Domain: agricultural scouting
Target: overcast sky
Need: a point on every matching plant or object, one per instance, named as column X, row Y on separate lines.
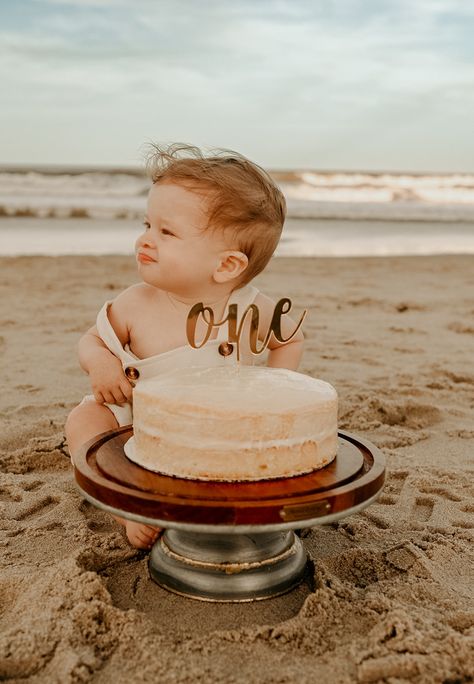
column 327, row 84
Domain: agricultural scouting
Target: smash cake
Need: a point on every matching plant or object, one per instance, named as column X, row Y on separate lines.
column 233, row 424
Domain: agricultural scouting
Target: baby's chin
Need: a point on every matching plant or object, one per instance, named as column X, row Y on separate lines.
column 148, row 276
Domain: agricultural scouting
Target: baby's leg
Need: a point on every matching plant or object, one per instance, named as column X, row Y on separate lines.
column 85, row 422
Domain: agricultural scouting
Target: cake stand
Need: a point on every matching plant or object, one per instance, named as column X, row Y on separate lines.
column 228, row 541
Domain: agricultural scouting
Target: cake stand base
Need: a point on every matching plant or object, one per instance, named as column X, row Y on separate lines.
column 228, row 541
column 223, row 567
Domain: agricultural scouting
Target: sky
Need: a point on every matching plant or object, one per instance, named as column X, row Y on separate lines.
column 375, row 85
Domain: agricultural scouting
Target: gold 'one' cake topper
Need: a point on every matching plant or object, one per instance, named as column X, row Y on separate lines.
column 282, row 307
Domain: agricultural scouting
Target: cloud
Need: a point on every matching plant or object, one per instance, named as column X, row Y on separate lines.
column 332, row 70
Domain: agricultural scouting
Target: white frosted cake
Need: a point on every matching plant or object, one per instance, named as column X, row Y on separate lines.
column 237, row 423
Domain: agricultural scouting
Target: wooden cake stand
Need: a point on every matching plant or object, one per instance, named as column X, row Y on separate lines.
column 228, row 541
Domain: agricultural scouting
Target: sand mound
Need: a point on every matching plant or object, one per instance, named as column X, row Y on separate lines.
column 366, row 411
column 392, row 423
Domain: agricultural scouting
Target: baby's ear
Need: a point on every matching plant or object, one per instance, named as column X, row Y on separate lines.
column 232, row 264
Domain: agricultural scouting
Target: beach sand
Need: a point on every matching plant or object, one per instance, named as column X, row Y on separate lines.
column 391, row 596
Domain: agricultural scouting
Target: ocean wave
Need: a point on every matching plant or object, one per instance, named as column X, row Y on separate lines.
column 120, row 194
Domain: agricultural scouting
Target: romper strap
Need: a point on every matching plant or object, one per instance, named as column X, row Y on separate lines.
column 109, row 336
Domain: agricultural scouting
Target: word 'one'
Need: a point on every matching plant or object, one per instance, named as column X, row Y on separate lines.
column 282, row 307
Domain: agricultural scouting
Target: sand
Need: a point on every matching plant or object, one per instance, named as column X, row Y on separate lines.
column 389, row 596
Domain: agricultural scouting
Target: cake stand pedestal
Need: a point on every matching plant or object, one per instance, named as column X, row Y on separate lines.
column 228, row 541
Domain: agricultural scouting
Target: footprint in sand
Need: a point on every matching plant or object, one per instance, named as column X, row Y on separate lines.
column 37, row 508
column 401, row 307
column 371, row 411
column 32, row 389
column 413, row 503
column 397, row 329
column 13, row 493
column 366, row 301
column 463, row 524
column 370, row 361
column 422, row 509
column 397, row 480
column 463, row 434
column 390, row 496
column 387, row 500
column 10, row 493
column 32, row 486
column 455, row 377
column 96, row 520
column 409, row 350
column 461, row 328
column 446, row 492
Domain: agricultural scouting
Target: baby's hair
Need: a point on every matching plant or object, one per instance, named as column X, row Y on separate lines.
column 244, row 200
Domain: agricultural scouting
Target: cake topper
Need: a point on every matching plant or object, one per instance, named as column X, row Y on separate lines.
column 282, row 307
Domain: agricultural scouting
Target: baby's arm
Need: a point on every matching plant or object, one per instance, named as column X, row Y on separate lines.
column 108, row 381
column 281, row 355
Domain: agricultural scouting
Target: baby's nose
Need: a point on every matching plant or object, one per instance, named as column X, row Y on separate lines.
column 146, row 240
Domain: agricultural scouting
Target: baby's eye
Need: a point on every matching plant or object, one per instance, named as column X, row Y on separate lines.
column 165, row 231
column 146, row 224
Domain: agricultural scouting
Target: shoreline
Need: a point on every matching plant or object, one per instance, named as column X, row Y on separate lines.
column 389, row 595
column 301, row 237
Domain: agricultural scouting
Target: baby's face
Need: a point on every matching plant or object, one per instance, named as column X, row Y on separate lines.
column 174, row 253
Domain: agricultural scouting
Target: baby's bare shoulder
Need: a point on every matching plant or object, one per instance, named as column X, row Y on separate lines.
column 137, row 298
column 128, row 307
column 135, row 295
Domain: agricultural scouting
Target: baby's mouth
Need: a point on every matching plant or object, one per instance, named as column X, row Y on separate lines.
column 145, row 258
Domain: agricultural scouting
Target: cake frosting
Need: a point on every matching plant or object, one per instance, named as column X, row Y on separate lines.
column 233, row 423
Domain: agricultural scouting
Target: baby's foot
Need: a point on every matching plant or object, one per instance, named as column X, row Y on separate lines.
column 141, row 536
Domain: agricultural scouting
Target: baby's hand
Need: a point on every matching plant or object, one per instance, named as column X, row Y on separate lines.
column 108, row 381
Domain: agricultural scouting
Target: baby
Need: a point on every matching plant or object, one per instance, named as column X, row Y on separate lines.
column 212, row 224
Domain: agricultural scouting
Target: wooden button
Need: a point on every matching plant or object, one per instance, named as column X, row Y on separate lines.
column 226, row 349
column 132, row 373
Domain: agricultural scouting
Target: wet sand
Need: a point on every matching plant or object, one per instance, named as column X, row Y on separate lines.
column 390, row 594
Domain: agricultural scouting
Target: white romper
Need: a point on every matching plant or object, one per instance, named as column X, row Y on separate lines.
column 184, row 356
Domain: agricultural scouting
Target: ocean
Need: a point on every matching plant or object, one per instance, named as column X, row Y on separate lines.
column 56, row 211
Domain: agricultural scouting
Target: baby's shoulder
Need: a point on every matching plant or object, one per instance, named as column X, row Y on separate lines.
column 133, row 301
column 128, row 308
column 135, row 294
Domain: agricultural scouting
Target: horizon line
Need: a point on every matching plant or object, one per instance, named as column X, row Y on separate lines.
column 76, row 169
